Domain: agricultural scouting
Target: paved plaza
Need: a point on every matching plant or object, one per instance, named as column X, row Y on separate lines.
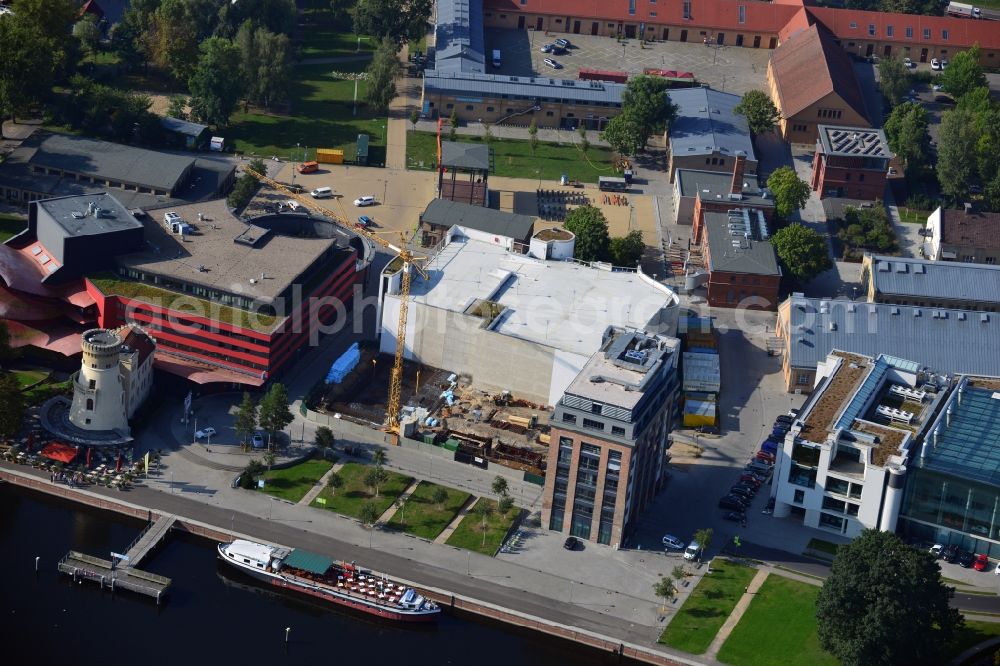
column 725, row 68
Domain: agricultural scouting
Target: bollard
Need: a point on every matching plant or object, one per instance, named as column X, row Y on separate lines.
column 37, row 560
column 158, row 598
column 102, row 582
column 288, row 632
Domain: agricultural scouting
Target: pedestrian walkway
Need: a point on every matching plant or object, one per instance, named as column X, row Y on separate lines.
column 453, row 525
column 395, row 506
column 545, row 134
column 320, row 485
column 737, row 614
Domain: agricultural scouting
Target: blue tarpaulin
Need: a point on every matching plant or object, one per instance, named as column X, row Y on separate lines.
column 343, row 365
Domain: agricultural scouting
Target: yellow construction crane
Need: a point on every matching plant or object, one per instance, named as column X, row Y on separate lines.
column 404, row 254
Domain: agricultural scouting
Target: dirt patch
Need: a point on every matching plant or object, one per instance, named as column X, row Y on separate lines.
column 685, row 450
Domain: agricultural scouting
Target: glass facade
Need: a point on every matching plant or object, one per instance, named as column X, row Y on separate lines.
column 561, row 484
column 947, row 509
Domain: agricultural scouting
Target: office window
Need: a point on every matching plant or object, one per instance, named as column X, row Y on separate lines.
column 927, row 33
column 871, row 29
column 569, row 418
column 592, row 424
column 548, row 113
column 944, row 34
column 909, row 32
column 618, row 430
column 854, row 25
column 595, row 408
column 468, row 107
column 653, row 15
column 743, row 14
column 800, row 496
column 489, row 108
column 631, row 7
column 802, row 378
column 889, row 30
column 687, row 9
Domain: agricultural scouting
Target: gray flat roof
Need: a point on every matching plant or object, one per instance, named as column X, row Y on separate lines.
column 618, row 369
column 853, row 141
column 706, row 123
column 74, row 216
column 936, row 279
column 442, row 212
column 185, row 127
column 109, row 161
column 465, row 155
column 526, row 88
column 459, row 42
column 959, row 341
column 733, row 250
column 967, row 433
column 714, row 186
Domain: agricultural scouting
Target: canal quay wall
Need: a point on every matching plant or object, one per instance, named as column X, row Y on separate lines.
column 446, row 598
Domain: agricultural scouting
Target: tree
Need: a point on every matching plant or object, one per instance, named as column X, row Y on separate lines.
column 664, row 589
column 440, row 496
column 488, row 134
column 485, row 510
column 51, row 21
column 906, row 131
column 533, row 136
column 333, row 482
column 268, row 459
column 760, row 112
column 624, row 134
column 12, row 414
column 453, row 126
column 584, row 141
column 414, row 118
column 178, row 107
column 499, row 486
column 627, row 250
column 894, row 79
column 790, row 191
column 274, row 411
column 400, row 505
column 378, row 457
column 87, row 31
column 173, row 39
column 678, row 572
column 382, row 74
column 802, row 251
column 591, row 229
column 646, row 102
column 26, row 66
column 991, row 194
column 703, row 538
column 325, row 438
column 885, row 603
column 375, row 478
column 963, row 74
column 215, row 84
column 7, row 353
column 246, row 418
column 975, row 101
column 369, row 514
column 400, row 21
column 250, row 473
column 505, row 504
column 274, row 69
column 956, row 147
column 277, row 16
column 868, row 229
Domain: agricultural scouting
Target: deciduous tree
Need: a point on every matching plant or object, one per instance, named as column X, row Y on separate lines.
column 485, row 510
column 591, row 229
column 759, row 110
column 440, row 496
column 215, row 84
column 173, row 39
column 664, row 589
column 274, row 412
column 802, row 251
column 624, row 134
column 627, row 250
column 906, row 131
column 790, row 191
column 499, row 486
column 245, row 422
column 382, row 74
column 26, row 66
column 894, row 79
column 646, row 102
column 87, row 31
column 325, row 438
column 963, row 74
column 398, row 20
column 884, row 603
column 533, row 136
column 369, row 514
column 956, row 165
column 333, row 482
column 375, row 478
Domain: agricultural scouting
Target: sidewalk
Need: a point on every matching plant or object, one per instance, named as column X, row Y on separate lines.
column 397, row 505
column 453, row 525
column 737, row 614
column 545, row 134
column 320, row 485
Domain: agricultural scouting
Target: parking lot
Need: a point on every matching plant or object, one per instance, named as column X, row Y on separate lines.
column 731, row 69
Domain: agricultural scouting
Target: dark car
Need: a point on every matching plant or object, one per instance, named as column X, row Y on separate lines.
column 949, row 553
column 571, row 543
column 731, row 503
column 785, row 419
column 735, row 516
column 964, row 558
column 745, row 501
column 562, row 43
column 742, row 491
column 750, row 478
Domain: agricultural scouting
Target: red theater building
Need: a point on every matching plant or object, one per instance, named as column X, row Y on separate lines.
column 226, row 301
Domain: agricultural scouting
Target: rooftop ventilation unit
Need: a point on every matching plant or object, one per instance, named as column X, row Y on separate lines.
column 895, row 311
column 983, row 317
column 635, row 356
column 851, row 307
column 77, row 215
column 883, row 267
column 961, row 316
column 916, row 312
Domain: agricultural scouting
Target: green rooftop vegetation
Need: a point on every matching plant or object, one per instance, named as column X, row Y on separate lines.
column 113, row 285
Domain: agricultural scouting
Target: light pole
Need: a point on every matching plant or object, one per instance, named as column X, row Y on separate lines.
column 293, row 162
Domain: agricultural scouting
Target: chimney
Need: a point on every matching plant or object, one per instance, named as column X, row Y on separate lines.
column 737, row 186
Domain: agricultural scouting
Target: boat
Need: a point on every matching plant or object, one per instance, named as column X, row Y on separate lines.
column 341, row 583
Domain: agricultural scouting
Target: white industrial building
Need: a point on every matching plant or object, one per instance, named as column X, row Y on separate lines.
column 514, row 321
column 843, row 464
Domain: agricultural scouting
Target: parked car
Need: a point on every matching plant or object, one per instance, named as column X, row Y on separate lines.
column 937, row 87
column 309, row 167
column 750, row 478
column 708, row 430
column 257, row 441
column 205, row 433
column 670, row 541
column 784, row 418
column 997, row 570
column 364, row 221
column 908, row 63
column 949, row 553
column 571, row 543
column 562, row 42
column 980, row 562
column 549, row 62
column 964, row 558
column 742, row 491
column 547, row 48
column 935, row 65
column 735, row 516
column 692, row 551
column 365, row 201
column 765, row 456
column 742, row 501
column 730, row 503
column 944, row 63
column 936, row 549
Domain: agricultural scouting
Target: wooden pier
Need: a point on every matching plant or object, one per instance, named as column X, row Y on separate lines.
column 122, row 573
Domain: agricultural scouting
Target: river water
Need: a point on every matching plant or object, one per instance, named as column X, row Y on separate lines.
column 213, row 615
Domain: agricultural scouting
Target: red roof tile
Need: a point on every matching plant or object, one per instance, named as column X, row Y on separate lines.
column 978, row 229
column 810, row 66
column 962, row 33
column 137, row 339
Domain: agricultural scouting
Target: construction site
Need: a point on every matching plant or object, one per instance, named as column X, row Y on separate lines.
column 443, row 409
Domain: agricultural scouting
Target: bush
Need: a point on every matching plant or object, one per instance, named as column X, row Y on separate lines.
column 867, row 229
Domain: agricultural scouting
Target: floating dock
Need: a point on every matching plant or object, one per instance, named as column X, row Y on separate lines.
column 121, row 573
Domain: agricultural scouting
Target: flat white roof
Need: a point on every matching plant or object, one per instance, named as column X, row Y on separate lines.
column 562, row 304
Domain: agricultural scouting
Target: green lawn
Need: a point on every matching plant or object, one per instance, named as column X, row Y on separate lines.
column 46, row 390
column 973, row 633
column 422, row 517
column 913, row 215
column 822, row 546
column 294, row 482
column 350, row 497
column 469, row 533
column 784, row 603
column 512, row 158
column 29, row 377
column 320, row 116
column 325, row 37
column 10, row 226
column 706, row 609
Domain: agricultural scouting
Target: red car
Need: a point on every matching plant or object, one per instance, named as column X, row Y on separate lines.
column 980, row 562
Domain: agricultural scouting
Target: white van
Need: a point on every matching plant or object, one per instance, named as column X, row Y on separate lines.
column 322, row 193
column 496, row 57
column 692, row 551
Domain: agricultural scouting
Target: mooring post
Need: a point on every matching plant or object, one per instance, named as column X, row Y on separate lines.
column 288, row 632
column 158, row 597
column 102, row 582
column 37, row 560
column 74, row 574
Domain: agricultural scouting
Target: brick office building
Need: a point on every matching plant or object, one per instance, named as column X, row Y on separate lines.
column 740, row 260
column 851, row 162
column 609, row 437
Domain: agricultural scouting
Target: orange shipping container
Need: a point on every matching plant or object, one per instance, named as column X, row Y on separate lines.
column 330, row 156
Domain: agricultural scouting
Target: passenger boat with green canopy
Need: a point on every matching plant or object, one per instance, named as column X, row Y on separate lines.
column 342, row 583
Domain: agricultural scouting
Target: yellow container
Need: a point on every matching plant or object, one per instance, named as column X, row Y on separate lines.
column 329, row 156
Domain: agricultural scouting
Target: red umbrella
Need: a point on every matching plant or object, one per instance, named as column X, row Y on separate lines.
column 118, row 463
column 88, row 456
